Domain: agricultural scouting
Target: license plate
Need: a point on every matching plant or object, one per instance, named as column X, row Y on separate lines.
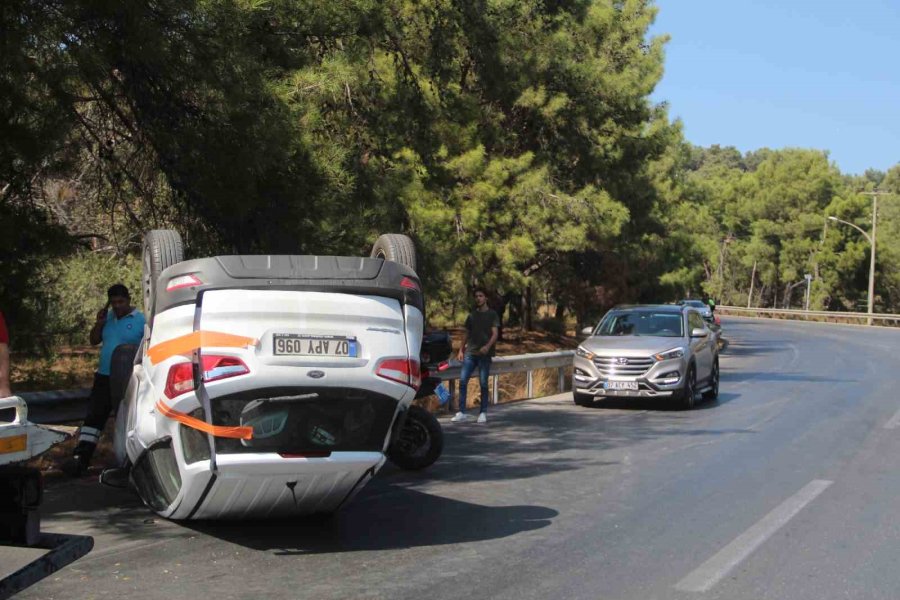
column 298, row 344
column 621, row 385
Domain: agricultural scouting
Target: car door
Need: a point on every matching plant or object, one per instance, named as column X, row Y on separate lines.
column 701, row 347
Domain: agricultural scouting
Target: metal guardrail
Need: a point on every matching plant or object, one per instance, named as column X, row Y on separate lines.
column 827, row 315
column 55, row 407
column 517, row 363
column 65, row 406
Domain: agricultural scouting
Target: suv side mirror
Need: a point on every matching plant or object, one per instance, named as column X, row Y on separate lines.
column 587, row 331
column 697, row 332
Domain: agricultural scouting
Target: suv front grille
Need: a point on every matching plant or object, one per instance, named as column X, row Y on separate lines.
column 621, row 366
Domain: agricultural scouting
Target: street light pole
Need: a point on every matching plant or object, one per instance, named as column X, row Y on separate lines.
column 871, row 239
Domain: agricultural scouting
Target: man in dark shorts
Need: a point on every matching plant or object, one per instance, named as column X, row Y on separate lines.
column 117, row 323
column 5, row 390
column 476, row 351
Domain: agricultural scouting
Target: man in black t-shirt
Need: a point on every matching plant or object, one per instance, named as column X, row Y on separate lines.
column 482, row 329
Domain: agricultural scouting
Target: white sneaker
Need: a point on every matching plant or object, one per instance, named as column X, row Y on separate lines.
column 482, row 418
column 460, row 417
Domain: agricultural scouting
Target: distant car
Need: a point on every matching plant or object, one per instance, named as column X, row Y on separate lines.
column 648, row 351
column 705, row 310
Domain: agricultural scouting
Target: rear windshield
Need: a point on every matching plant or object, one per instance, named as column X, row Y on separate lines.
column 661, row 324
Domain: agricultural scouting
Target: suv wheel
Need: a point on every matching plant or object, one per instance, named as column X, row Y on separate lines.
column 713, row 392
column 689, row 392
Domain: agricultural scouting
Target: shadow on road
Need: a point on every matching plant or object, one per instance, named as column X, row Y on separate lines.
column 403, row 509
column 755, row 347
column 390, row 518
column 659, row 404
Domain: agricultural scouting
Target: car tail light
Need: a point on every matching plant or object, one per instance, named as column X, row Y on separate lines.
column 180, row 379
column 410, row 284
column 401, row 370
column 183, row 281
column 181, row 376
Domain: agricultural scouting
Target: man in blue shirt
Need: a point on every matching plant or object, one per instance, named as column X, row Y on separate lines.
column 117, row 323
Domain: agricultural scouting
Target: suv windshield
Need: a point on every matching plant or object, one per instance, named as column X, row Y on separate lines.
column 641, row 322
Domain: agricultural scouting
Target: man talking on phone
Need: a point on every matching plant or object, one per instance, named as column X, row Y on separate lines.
column 117, row 323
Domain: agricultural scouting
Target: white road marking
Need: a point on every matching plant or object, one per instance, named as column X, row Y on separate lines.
column 893, row 422
column 713, row 570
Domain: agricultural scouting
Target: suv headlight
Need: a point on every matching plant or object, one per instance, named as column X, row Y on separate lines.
column 670, row 354
column 583, row 353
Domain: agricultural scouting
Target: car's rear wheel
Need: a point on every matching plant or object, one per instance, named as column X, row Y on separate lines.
column 713, row 392
column 689, row 391
column 396, row 247
column 582, row 399
column 162, row 249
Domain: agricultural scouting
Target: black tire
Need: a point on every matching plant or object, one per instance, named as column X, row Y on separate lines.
column 419, row 443
column 162, row 249
column 713, row 392
column 396, row 247
column 582, row 399
column 689, row 392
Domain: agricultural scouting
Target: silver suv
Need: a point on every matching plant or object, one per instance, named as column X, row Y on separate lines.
column 661, row 351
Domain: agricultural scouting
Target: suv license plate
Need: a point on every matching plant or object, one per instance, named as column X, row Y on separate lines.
column 298, row 344
column 621, row 385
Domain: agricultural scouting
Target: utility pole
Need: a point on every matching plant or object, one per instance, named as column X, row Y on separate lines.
column 874, row 195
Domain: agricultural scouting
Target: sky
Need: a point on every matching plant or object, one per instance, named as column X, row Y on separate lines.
column 786, row 73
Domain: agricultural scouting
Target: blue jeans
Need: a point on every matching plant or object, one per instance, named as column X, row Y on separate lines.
column 470, row 363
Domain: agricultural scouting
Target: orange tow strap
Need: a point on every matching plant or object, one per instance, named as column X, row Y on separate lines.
column 186, row 344
column 240, row 433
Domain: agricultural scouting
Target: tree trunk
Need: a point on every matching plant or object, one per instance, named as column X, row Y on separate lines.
column 527, row 321
column 752, row 280
column 499, row 303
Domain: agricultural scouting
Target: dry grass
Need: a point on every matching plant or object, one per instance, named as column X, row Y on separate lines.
column 69, row 368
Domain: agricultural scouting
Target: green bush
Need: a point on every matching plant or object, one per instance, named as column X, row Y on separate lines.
column 75, row 289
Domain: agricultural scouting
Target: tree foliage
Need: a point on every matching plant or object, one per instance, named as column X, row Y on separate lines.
column 514, row 139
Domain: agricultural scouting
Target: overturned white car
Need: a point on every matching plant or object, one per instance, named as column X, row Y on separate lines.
column 269, row 385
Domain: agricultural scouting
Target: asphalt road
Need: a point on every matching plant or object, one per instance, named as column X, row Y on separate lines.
column 787, row 488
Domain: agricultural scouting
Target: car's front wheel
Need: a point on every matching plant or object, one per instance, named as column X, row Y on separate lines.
column 420, row 441
column 689, row 391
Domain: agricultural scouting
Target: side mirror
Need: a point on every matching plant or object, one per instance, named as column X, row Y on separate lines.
column 697, row 332
column 587, row 331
